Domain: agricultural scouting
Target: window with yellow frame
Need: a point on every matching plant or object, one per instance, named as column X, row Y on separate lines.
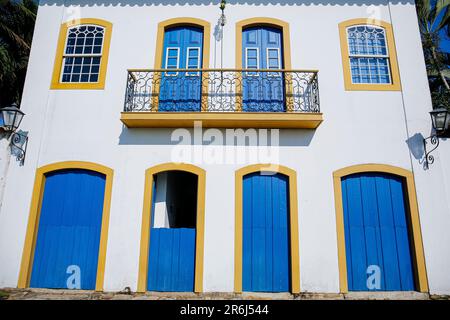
column 369, row 57
column 82, row 54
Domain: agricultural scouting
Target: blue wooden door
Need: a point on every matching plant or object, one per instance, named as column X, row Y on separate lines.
column 265, row 263
column 262, row 48
column 68, row 236
column 376, row 233
column 183, row 49
column 171, row 265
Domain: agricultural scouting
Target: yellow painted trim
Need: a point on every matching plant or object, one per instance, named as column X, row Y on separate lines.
column 56, row 83
column 418, row 254
column 395, row 74
column 146, row 221
column 33, row 220
column 182, row 21
column 264, row 21
column 293, row 216
column 221, row 119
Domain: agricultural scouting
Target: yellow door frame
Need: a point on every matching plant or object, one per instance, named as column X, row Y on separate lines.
column 146, row 221
column 293, row 219
column 413, row 213
column 35, row 211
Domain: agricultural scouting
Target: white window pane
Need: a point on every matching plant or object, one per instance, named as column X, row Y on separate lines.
column 368, row 50
column 82, row 41
column 252, row 53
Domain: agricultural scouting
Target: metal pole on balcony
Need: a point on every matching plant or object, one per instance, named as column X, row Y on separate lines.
column 222, row 22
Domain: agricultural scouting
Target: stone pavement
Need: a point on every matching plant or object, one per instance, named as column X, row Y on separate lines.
column 49, row 294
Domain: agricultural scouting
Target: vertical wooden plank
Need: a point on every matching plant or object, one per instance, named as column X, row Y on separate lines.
column 152, row 278
column 50, row 222
column 281, row 237
column 187, row 259
column 401, row 232
column 269, row 208
column 164, row 260
column 347, row 235
column 258, row 241
column 247, row 236
column 357, row 239
column 177, row 280
column 391, row 268
column 78, row 214
column 96, row 225
column 371, row 226
column 273, row 228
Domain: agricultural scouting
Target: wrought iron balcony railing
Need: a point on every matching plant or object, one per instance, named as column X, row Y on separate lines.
column 222, row 90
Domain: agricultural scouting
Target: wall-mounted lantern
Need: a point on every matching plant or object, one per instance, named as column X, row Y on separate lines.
column 440, row 119
column 223, row 18
column 12, row 117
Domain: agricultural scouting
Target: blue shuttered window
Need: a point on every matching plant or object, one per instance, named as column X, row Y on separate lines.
column 262, row 49
column 183, row 49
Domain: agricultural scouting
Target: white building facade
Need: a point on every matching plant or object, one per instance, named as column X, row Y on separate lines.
column 345, row 111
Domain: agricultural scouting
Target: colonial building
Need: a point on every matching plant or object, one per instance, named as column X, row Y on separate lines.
column 272, row 146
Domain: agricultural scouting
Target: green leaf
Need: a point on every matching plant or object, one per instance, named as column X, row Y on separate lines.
column 444, row 23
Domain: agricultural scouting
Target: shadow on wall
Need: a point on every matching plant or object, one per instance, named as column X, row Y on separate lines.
column 208, row 2
column 417, row 148
column 216, row 137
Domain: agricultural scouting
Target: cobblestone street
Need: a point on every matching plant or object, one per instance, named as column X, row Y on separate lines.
column 48, row 294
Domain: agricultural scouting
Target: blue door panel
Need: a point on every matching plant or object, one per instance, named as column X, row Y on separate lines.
column 376, row 232
column 181, row 91
column 69, row 229
column 263, row 91
column 390, row 250
column 171, row 260
column 265, row 233
column 371, row 223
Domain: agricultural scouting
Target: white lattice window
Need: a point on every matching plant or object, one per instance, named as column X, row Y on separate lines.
column 368, row 53
column 83, row 53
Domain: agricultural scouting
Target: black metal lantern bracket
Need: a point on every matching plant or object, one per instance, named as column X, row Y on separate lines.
column 12, row 117
column 440, row 119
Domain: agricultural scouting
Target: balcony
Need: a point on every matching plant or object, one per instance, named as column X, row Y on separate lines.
column 222, row 98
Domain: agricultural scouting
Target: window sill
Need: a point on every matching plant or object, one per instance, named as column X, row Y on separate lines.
column 372, row 87
column 77, row 86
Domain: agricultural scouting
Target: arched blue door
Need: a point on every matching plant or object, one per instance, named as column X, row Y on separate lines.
column 265, row 263
column 68, row 237
column 171, row 265
column 183, row 49
column 262, row 48
column 376, row 233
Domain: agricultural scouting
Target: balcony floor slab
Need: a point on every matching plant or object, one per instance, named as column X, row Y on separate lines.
column 270, row 120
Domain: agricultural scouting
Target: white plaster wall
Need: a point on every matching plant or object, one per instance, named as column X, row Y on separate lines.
column 161, row 215
column 432, row 185
column 5, row 156
column 359, row 127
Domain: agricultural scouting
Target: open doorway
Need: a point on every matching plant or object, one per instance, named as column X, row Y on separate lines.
column 173, row 232
column 175, row 200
